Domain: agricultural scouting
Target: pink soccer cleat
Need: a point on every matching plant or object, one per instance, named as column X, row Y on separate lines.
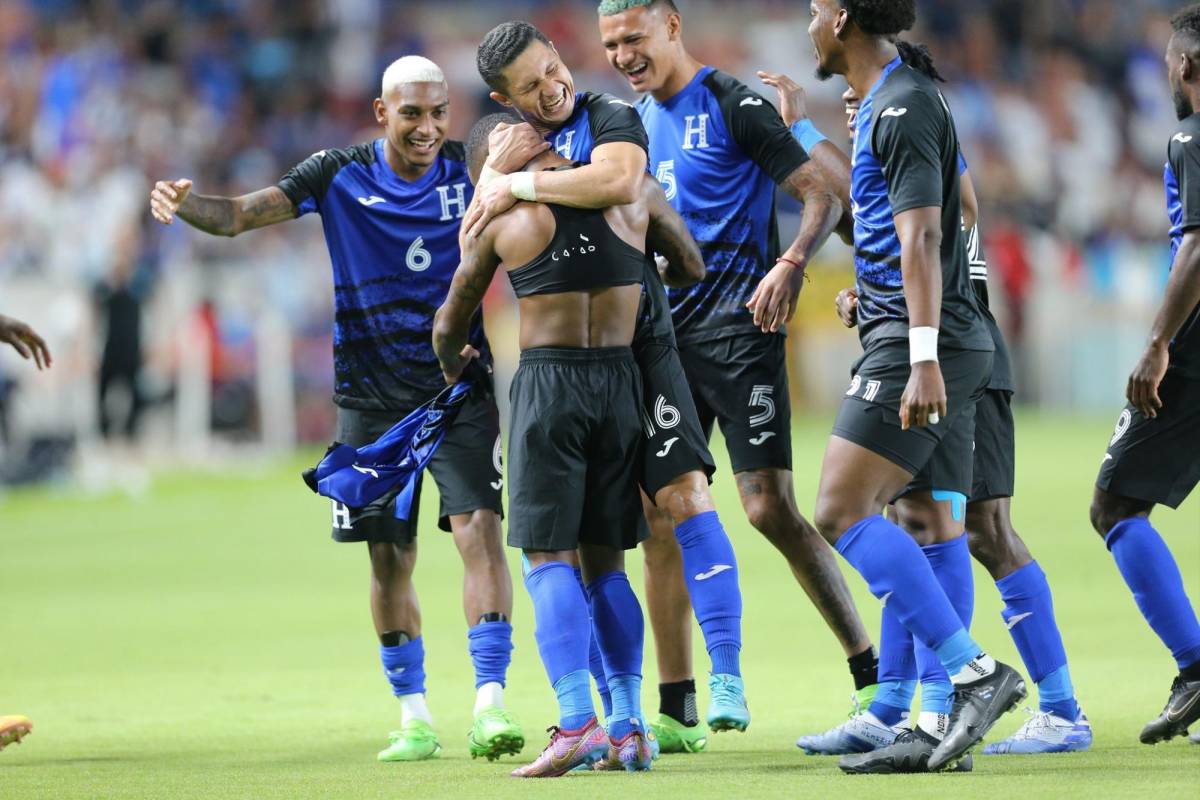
column 566, row 751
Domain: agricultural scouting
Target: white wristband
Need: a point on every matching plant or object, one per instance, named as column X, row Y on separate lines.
column 922, row 345
column 522, row 187
column 486, row 176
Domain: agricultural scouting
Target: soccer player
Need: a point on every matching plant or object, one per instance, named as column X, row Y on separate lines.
column 1152, row 457
column 1059, row 725
column 25, row 340
column 719, row 149
column 391, row 210
column 526, row 74
column 909, row 410
column 574, row 441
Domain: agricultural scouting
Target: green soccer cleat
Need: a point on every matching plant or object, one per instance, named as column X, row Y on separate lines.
column 415, row 741
column 675, row 737
column 727, row 709
column 495, row 733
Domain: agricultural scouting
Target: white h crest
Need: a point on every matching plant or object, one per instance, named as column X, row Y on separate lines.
column 562, row 143
column 694, row 125
column 459, row 200
column 341, row 516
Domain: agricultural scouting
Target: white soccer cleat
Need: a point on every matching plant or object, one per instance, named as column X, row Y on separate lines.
column 1045, row 733
column 862, row 733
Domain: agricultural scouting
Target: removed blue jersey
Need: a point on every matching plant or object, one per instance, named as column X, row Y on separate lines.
column 1181, row 178
column 719, row 149
column 394, row 248
column 906, row 156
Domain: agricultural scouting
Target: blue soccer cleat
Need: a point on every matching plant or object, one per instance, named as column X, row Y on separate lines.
column 1045, row 733
column 727, row 710
column 862, row 733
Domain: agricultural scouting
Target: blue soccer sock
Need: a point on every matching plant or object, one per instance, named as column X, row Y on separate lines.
column 1029, row 615
column 404, row 666
column 899, row 574
column 619, row 629
column 951, row 564
column 490, row 645
column 897, row 671
column 1152, row 575
column 595, row 660
column 710, row 568
column 560, row 613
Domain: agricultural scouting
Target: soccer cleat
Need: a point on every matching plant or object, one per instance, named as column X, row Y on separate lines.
column 977, row 707
column 862, row 733
column 13, row 729
column 415, row 741
column 1182, row 709
column 909, row 753
column 495, row 733
column 863, row 697
column 675, row 737
column 1195, row 738
column 566, row 751
column 1045, row 733
column 633, row 753
column 727, row 710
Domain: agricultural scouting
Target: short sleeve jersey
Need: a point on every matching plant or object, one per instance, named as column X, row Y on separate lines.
column 602, row 119
column 1182, row 180
column 394, row 249
column 719, row 149
column 905, row 157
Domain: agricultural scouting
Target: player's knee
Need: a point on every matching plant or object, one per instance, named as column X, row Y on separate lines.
column 685, row 497
column 1104, row 515
column 916, row 522
column 392, row 561
column 833, row 518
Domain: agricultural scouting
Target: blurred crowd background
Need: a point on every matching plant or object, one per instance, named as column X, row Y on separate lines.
column 196, row 343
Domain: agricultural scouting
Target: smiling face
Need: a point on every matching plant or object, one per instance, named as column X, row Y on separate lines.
column 828, row 20
column 641, row 44
column 415, row 117
column 539, row 87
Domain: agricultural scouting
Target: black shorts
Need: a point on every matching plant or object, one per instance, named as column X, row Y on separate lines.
column 741, row 382
column 466, row 467
column 995, row 447
column 1157, row 460
column 675, row 443
column 574, row 449
column 938, row 456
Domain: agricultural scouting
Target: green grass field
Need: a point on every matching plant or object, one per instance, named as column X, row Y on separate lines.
column 209, row 641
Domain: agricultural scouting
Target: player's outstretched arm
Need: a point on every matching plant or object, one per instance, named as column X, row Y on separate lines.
column 25, row 341
column 452, row 321
column 613, row 178
column 774, row 300
column 920, row 233
column 220, row 216
column 669, row 237
column 1181, row 299
column 793, row 107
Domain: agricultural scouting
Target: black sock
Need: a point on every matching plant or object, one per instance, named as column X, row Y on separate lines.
column 1191, row 672
column 678, row 701
column 864, row 668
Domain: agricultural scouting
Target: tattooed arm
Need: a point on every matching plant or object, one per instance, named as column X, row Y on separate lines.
column 452, row 322
column 220, row 216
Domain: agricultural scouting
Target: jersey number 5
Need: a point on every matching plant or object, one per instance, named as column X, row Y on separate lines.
column 666, row 176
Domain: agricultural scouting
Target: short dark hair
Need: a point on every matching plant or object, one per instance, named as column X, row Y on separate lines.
column 919, row 58
column 1186, row 21
column 608, row 8
column 882, row 17
column 477, row 140
column 501, row 47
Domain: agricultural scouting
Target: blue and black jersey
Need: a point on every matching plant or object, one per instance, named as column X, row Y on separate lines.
column 906, row 156
column 719, row 149
column 394, row 248
column 603, row 119
column 1182, row 181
